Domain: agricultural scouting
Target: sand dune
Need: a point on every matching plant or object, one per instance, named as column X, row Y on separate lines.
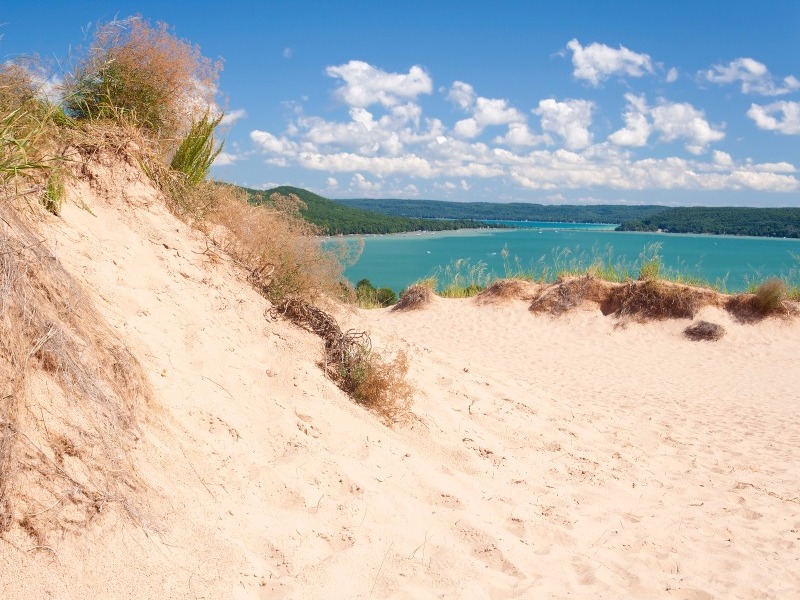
column 568, row 457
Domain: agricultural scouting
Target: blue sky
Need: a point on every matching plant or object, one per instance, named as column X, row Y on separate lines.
column 553, row 102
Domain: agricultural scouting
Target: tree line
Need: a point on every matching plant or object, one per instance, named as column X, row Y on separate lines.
column 764, row 222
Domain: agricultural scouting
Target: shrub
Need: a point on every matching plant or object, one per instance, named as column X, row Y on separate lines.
column 143, row 74
column 650, row 300
column 385, row 297
column 503, row 290
column 281, row 250
column 704, row 330
column 416, row 296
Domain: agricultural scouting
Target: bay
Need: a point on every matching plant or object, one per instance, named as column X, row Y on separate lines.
column 733, row 262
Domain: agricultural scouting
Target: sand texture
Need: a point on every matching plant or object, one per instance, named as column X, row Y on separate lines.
column 576, row 456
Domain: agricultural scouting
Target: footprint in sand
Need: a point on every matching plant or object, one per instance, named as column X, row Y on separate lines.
column 306, row 425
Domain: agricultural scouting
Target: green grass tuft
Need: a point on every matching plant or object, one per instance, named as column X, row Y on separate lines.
column 196, row 152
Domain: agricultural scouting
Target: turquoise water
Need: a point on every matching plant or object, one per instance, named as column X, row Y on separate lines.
column 398, row 260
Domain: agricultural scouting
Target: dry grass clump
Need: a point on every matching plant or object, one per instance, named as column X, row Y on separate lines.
column 415, row 297
column 654, row 300
column 504, row 290
column 642, row 300
column 704, row 330
column 571, row 292
column 143, row 74
column 26, row 126
column 769, row 300
column 70, row 395
column 352, row 363
column 279, row 248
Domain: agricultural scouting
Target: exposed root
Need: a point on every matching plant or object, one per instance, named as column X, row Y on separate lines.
column 351, row 362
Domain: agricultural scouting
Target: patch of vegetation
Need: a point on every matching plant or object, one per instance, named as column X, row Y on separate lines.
column 334, row 218
column 197, row 151
column 141, row 74
column 415, row 297
column 729, row 220
column 461, row 279
column 704, row 331
column 368, row 296
column 514, row 211
column 351, row 362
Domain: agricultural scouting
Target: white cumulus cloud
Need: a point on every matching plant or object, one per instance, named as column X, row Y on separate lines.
column 462, row 95
column 365, row 85
column 765, row 117
column 485, row 112
column 569, row 119
column 231, row 117
column 672, row 120
column 754, row 77
column 597, row 62
column 637, row 128
column 682, row 121
column 224, row 159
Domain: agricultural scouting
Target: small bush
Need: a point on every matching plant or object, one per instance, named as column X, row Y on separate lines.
column 281, row 250
column 503, row 290
column 415, row 297
column 704, row 330
column 650, row 300
column 367, row 296
column 379, row 385
column 571, row 292
column 142, row 74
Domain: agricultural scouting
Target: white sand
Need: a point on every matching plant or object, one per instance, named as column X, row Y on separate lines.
column 550, row 458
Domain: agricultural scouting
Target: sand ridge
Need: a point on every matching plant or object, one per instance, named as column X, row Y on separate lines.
column 549, row 457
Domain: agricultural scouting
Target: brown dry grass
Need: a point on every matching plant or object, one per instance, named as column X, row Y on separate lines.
column 70, row 394
column 414, row 297
column 143, row 74
column 504, row 290
column 643, row 300
column 704, row 331
column 280, row 250
column 769, row 300
column 570, row 293
column 654, row 300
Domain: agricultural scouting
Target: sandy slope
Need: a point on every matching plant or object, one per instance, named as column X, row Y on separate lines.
column 549, row 458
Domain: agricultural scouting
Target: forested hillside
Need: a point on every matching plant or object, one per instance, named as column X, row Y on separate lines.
column 517, row 211
column 769, row 222
column 335, row 218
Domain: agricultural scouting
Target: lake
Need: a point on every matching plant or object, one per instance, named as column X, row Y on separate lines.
column 397, row 260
